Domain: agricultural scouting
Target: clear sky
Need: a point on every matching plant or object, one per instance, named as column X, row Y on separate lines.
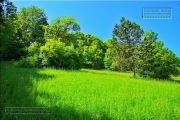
column 99, row 17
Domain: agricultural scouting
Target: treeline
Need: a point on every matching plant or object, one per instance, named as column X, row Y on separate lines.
column 27, row 38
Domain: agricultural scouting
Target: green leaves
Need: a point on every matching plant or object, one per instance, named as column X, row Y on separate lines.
column 92, row 50
column 126, row 38
column 22, row 30
column 7, row 29
column 30, row 22
column 52, row 54
column 60, row 27
column 67, row 24
column 56, row 54
column 156, row 61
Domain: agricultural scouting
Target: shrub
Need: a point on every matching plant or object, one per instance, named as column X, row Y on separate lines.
column 111, row 60
column 161, row 64
column 29, row 62
column 56, row 54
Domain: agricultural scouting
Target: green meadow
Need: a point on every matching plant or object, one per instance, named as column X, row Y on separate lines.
column 88, row 94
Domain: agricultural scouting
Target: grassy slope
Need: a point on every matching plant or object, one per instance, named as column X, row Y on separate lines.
column 89, row 94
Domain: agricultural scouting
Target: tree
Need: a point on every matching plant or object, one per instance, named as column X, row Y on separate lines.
column 62, row 29
column 30, row 20
column 1, row 10
column 7, row 27
column 8, row 9
column 91, row 50
column 147, row 52
column 38, row 32
column 108, row 43
column 155, row 60
column 58, row 50
column 25, row 29
column 111, row 59
column 126, row 38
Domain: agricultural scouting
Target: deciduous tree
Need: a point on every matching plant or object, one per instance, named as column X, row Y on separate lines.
column 30, row 20
column 155, row 60
column 62, row 29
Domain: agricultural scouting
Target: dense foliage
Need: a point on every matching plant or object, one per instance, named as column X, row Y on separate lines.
column 27, row 37
column 92, row 50
column 56, row 54
column 20, row 29
column 155, row 60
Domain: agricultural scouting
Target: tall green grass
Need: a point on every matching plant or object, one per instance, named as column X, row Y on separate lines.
column 89, row 94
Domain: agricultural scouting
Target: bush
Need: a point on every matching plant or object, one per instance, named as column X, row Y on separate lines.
column 56, row 54
column 155, row 60
column 33, row 49
column 108, row 58
column 52, row 54
column 111, row 60
column 29, row 62
column 161, row 64
column 32, row 59
column 165, row 64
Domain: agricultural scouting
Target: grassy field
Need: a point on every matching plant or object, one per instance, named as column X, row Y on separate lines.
column 88, row 94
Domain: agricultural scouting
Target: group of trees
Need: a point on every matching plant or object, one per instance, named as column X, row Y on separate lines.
column 148, row 57
column 19, row 30
column 60, row 44
column 132, row 49
column 27, row 37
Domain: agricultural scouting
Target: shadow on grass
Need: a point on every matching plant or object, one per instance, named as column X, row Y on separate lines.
column 18, row 90
column 175, row 81
column 69, row 113
column 97, row 72
column 172, row 80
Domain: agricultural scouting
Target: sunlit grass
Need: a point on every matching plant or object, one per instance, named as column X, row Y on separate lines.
column 177, row 78
column 90, row 94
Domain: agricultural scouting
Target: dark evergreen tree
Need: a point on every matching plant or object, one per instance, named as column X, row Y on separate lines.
column 126, row 38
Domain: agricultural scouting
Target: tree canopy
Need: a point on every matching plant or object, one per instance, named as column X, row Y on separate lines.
column 61, row 27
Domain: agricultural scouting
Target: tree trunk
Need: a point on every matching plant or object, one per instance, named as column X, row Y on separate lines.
column 134, row 71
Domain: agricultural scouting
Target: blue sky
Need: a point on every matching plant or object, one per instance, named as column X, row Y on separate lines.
column 99, row 17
